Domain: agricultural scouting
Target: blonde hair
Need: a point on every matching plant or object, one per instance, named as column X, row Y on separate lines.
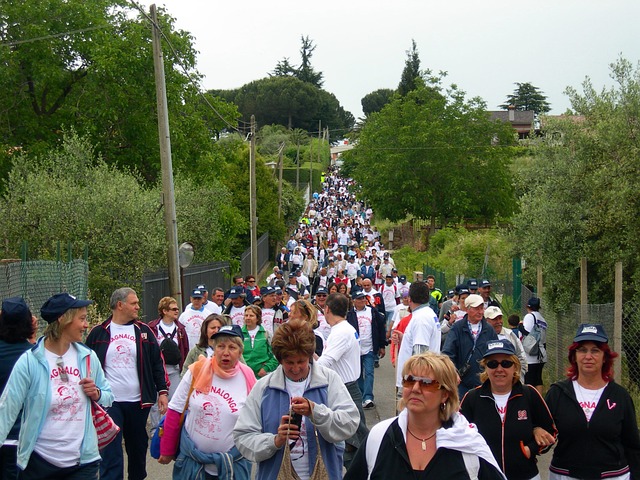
column 308, row 312
column 484, row 376
column 54, row 329
column 444, row 372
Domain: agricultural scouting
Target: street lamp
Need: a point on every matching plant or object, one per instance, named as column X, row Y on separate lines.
column 186, row 251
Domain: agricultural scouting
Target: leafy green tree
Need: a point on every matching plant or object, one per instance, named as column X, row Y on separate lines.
column 527, row 97
column 434, row 155
column 99, row 80
column 582, row 198
column 290, row 102
column 374, row 102
column 411, row 71
column 72, row 195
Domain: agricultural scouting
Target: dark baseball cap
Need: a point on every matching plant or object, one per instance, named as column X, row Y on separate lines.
column 236, row 292
column 229, row 330
column 58, row 305
column 499, row 346
column 15, row 311
column 591, row 332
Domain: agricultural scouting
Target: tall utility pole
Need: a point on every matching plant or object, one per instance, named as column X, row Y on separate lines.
column 168, row 200
column 252, row 199
column 280, row 150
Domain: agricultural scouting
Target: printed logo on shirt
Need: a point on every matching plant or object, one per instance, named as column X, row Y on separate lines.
column 522, row 415
column 124, row 348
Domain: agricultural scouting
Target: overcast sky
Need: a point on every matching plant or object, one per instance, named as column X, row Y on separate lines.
column 485, row 46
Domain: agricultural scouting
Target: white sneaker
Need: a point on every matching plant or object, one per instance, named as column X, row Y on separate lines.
column 368, row 404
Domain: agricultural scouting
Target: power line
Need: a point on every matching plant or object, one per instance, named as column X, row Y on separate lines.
column 54, row 35
column 184, row 69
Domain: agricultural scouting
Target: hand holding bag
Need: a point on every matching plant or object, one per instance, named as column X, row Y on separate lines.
column 106, row 428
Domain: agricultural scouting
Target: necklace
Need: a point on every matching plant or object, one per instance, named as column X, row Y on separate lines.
column 587, row 399
column 423, row 440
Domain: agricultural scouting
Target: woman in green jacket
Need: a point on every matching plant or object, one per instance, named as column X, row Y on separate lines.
column 257, row 344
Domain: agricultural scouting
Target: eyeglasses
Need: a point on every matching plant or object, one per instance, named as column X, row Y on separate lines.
column 593, row 351
column 61, row 371
column 408, row 381
column 321, row 295
column 493, row 364
column 251, row 281
column 174, row 309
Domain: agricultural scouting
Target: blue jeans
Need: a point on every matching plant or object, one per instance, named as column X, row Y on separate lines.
column 389, row 319
column 132, row 420
column 365, row 382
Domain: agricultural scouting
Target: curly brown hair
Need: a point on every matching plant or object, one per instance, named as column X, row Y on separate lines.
column 293, row 338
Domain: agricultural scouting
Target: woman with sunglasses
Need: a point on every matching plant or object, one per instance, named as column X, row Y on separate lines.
column 596, row 419
column 429, row 439
column 53, row 385
column 512, row 417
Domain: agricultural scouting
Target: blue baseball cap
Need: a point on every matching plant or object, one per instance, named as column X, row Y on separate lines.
column 58, row 305
column 15, row 311
column 499, row 346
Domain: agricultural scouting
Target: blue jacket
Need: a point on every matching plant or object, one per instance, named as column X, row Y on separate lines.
column 29, row 388
column 191, row 461
column 335, row 419
column 459, row 344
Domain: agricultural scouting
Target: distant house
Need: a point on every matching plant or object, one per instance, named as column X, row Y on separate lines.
column 523, row 122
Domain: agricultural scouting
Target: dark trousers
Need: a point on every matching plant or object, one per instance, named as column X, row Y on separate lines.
column 353, row 443
column 39, row 469
column 132, row 420
column 8, row 467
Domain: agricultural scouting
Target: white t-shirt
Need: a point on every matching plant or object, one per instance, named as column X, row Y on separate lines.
column 192, row 321
column 212, row 307
column 423, row 329
column 588, row 399
column 389, row 294
column 366, row 330
column 212, row 416
column 341, row 352
column 237, row 315
column 267, row 320
column 323, row 327
column 501, row 403
column 168, row 329
column 300, row 451
column 64, row 421
column 121, row 368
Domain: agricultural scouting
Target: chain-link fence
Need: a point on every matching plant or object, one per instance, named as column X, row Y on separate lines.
column 562, row 327
column 37, row 280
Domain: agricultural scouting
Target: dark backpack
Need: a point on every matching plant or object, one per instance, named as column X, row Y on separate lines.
column 169, row 348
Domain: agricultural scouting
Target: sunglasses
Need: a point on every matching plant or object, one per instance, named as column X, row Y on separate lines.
column 408, row 381
column 174, row 309
column 493, row 364
column 61, row 371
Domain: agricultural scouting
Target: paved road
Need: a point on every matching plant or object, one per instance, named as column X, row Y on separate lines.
column 384, row 388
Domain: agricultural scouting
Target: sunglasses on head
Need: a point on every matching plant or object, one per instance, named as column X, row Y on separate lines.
column 61, row 370
column 408, row 381
column 493, row 364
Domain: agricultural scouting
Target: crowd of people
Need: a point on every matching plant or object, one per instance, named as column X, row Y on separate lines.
column 280, row 375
